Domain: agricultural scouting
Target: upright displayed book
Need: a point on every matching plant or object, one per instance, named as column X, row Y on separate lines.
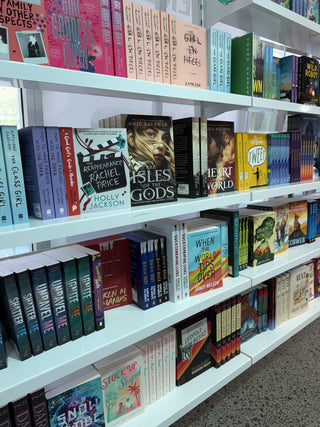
column 258, row 54
column 221, row 156
column 308, row 80
column 298, row 292
column 255, row 162
column 249, row 315
column 298, row 221
column 289, row 78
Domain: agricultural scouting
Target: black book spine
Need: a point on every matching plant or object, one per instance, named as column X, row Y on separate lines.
column 20, row 412
column 39, row 409
column 5, row 418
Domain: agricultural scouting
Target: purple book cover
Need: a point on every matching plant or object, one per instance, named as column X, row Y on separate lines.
column 119, row 53
column 295, row 87
column 107, row 35
column 36, row 172
column 56, row 171
column 21, row 412
column 39, row 410
column 5, row 419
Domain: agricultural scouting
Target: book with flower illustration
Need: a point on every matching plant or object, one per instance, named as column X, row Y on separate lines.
column 122, row 385
column 97, row 159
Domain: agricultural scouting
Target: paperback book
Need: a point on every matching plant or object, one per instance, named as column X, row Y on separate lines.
column 249, row 315
column 298, row 294
column 308, row 80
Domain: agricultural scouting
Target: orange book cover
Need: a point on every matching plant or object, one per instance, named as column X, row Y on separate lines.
column 148, row 46
column 191, row 55
column 156, row 41
column 165, row 45
column 173, row 46
column 139, row 42
column 129, row 39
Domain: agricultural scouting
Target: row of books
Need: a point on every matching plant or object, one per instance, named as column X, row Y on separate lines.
column 307, row 8
column 49, row 298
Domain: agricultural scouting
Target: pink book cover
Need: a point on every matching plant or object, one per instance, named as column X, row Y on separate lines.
column 148, row 45
column 75, row 35
column 173, row 46
column 129, row 39
column 191, row 55
column 156, row 41
column 139, row 41
column 164, row 19
column 106, row 28
column 24, row 32
column 119, row 52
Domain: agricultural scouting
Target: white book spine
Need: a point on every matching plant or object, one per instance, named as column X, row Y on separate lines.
column 278, row 300
column 172, row 358
column 159, row 366
column 287, row 280
column 152, row 370
column 166, row 360
column 184, row 259
column 145, row 370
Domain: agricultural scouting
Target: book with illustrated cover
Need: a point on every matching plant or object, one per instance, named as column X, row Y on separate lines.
column 298, row 222
column 287, row 79
column 38, row 408
column 76, row 400
column 249, row 315
column 203, row 157
column 316, row 270
column 122, row 386
column 255, row 162
column 221, row 156
column 298, row 291
column 308, row 79
column 5, row 209
column 75, row 35
column 312, row 11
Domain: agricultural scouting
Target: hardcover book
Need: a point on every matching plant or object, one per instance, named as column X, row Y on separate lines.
column 298, row 293
column 220, row 156
column 38, row 408
column 5, row 209
column 242, row 65
column 20, row 412
column 5, row 418
column 36, row 172
column 78, row 400
column 249, row 315
column 255, row 161
column 129, row 37
column 12, row 158
column 191, row 55
column 308, row 79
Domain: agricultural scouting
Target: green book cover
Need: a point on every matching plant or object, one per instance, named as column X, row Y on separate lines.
column 242, row 65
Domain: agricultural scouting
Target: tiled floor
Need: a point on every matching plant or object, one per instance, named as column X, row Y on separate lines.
column 281, row 390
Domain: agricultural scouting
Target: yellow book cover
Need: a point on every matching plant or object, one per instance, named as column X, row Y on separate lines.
column 255, row 163
column 238, row 162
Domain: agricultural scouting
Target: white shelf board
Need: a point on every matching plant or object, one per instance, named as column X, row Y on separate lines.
column 291, row 258
column 266, row 192
column 124, row 326
column 39, row 231
column 289, row 107
column 183, row 399
column 262, row 344
column 267, row 19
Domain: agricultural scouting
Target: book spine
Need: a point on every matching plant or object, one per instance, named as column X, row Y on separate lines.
column 43, row 305
column 145, row 369
column 129, row 39
column 96, row 275
column 238, row 162
column 227, row 60
column 233, row 325
column 157, row 52
column 242, row 65
column 164, row 25
column 159, row 366
column 59, row 308
column 139, row 273
column 212, row 53
column 70, row 282
column 164, row 268
column 85, row 295
column 39, row 410
column 173, row 47
column 5, row 209
column 29, row 311
column 12, row 157
column 152, row 370
column 106, row 25
column 159, row 276
column 216, row 335
column 203, row 157
column 183, row 232
column 228, row 329
column 224, row 249
column 152, row 273
column 223, row 333
column 148, row 45
column 3, row 354
column 238, row 325
column 21, row 412
column 70, row 171
column 5, row 418
column 166, row 361
column 56, row 170
column 221, row 61
column 172, row 358
column 139, row 41
column 119, row 54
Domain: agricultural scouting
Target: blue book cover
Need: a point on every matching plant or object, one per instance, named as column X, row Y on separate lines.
column 312, row 11
column 5, row 209
column 227, row 60
column 36, row 172
column 56, row 171
column 12, row 158
column 3, row 355
column 221, row 63
column 287, row 79
column 212, row 54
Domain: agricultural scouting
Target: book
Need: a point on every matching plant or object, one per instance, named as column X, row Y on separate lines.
column 38, row 408
column 75, row 36
column 204, row 157
column 298, row 221
column 249, row 315
column 24, row 39
column 258, row 51
column 143, row 346
column 316, row 262
column 298, row 292
column 255, row 161
column 5, row 418
column 156, row 43
column 242, row 65
column 193, row 343
column 287, row 80
column 12, row 158
column 3, row 354
column 123, row 380
column 56, row 172
column 221, row 61
column 151, row 158
column 139, row 41
column 239, row 178
column 191, row 55
column 216, row 335
column 165, row 46
column 5, row 209
column 151, row 348
column 159, row 365
column 11, row 314
column 120, row 68
column 129, row 37
column 186, row 133
column 76, row 399
column 312, row 11
column 148, row 43
column 165, row 335
column 308, row 76
column 20, row 412
column 221, row 155
column 36, row 172
column 173, row 47
column 212, row 54
column 107, row 38
column 115, row 270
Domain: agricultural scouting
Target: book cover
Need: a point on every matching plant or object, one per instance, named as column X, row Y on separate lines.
column 193, row 356
column 77, row 401
column 258, row 52
column 3, row 359
column 204, row 257
column 255, row 159
column 5, row 418
column 165, row 46
column 212, row 54
column 298, row 291
column 312, row 11
column 157, row 45
column 36, row 172
column 107, row 38
column 298, row 221
column 56, row 171
column 316, row 277
column 186, row 133
column 308, row 77
column 129, row 37
column 239, row 178
column 151, row 158
column 38, row 408
column 203, row 157
column 75, row 35
column 115, row 270
column 173, row 46
column 148, row 43
column 20, row 412
column 242, row 65
column 120, row 68
column 123, row 388
column 249, row 315
column 12, row 159
column 191, row 55
column 287, row 81
column 11, row 314
column 5, row 209
column 221, row 156
column 261, row 237
column 139, row 41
